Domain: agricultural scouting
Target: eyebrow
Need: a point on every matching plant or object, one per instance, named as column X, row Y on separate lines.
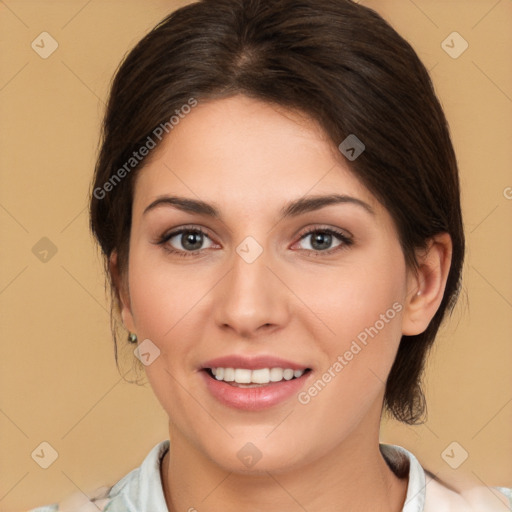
column 291, row 209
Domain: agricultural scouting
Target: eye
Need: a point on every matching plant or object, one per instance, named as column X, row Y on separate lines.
column 185, row 241
column 188, row 241
column 321, row 240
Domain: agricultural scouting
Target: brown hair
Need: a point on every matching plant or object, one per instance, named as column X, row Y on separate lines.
column 336, row 61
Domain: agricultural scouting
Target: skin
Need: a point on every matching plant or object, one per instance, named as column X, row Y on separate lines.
column 250, row 159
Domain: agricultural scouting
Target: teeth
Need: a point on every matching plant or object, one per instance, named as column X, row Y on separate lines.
column 288, row 374
column 241, row 376
column 229, row 374
column 259, row 376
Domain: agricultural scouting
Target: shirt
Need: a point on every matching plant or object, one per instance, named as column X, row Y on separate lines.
column 141, row 490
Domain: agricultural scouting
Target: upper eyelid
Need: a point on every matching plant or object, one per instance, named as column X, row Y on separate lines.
column 338, row 231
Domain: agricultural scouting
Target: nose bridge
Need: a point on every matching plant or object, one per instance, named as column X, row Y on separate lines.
column 251, row 296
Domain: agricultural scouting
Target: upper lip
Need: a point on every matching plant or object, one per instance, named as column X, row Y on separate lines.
column 252, row 362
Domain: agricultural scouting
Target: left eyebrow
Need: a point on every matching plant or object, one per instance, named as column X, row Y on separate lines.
column 312, row 203
column 291, row 209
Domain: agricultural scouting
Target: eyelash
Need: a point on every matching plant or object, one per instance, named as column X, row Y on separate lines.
column 346, row 241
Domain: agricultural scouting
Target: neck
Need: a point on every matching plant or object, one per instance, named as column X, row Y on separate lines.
column 354, row 476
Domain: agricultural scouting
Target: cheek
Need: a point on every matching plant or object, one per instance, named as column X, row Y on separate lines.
column 350, row 298
column 164, row 301
column 168, row 304
column 360, row 306
column 162, row 295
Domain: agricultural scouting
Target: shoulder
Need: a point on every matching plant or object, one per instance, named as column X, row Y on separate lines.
column 448, row 496
column 79, row 502
column 143, row 483
column 427, row 493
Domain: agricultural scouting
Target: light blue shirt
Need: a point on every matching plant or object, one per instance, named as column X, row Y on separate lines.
column 141, row 490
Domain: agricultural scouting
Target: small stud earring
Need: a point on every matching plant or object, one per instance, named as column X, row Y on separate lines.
column 419, row 293
column 132, row 337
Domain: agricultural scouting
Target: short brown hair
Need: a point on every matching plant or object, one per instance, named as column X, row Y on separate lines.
column 336, row 61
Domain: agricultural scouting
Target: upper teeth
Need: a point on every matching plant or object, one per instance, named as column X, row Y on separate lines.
column 259, row 376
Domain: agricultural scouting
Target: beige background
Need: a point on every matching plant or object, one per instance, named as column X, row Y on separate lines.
column 58, row 380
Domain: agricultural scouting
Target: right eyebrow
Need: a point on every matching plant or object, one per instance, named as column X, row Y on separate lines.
column 184, row 204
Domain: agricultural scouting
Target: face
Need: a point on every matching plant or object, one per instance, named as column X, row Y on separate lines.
column 267, row 283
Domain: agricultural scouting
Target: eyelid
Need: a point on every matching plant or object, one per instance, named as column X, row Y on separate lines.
column 325, row 227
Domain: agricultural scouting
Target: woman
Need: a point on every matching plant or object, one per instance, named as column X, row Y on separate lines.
column 277, row 200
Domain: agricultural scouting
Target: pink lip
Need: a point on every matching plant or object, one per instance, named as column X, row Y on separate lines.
column 257, row 398
column 252, row 363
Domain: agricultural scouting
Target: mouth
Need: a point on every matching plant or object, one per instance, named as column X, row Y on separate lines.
column 254, row 389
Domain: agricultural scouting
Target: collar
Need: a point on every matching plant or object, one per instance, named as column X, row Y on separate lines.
column 141, row 490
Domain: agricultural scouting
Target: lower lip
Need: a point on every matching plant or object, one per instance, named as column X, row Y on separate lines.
column 257, row 398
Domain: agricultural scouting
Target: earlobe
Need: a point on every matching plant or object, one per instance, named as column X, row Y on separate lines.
column 122, row 293
column 426, row 286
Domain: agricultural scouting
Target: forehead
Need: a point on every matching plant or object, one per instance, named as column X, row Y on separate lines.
column 244, row 154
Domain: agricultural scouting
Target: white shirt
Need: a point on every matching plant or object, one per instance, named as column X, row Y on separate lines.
column 141, row 490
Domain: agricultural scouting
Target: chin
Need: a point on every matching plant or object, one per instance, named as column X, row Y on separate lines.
column 254, row 455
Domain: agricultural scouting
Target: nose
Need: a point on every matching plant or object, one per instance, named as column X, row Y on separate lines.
column 252, row 298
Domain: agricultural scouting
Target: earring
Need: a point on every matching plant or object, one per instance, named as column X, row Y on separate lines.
column 132, row 337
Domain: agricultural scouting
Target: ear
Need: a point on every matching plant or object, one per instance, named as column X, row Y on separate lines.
column 425, row 287
column 122, row 292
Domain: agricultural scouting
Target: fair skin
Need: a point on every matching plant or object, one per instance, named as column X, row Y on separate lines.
column 250, row 159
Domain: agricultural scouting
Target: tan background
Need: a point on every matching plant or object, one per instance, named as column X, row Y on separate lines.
column 58, row 381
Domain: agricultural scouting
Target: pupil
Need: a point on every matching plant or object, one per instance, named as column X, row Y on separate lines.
column 190, row 241
column 321, row 240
